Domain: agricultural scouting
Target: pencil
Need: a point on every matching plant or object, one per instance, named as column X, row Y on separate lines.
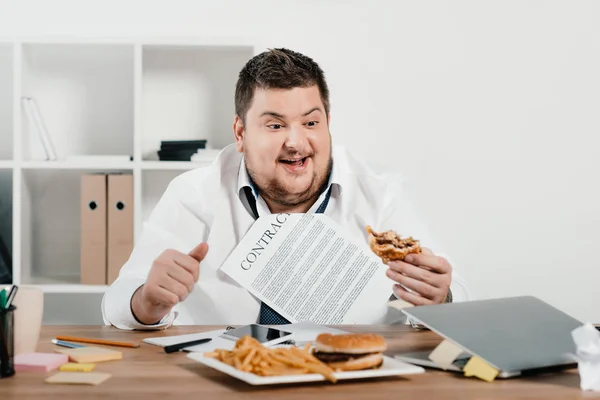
column 97, row 341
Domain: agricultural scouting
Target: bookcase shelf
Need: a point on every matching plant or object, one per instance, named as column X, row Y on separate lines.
column 58, row 285
column 79, row 165
column 101, row 98
column 172, row 165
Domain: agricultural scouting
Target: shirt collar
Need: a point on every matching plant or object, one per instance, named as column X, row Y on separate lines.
column 335, row 178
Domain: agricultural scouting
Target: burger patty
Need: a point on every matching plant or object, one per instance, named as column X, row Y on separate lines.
column 339, row 357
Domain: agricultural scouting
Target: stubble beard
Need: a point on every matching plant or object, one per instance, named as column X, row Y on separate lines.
column 276, row 193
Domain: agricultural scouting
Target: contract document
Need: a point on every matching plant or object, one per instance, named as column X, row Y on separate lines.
column 306, row 268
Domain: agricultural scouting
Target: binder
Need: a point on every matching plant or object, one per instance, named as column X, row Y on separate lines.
column 93, row 229
column 120, row 223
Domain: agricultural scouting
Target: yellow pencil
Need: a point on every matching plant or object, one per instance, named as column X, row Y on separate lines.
column 97, row 341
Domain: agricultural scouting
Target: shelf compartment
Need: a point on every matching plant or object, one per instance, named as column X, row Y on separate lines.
column 51, row 226
column 187, row 94
column 84, row 93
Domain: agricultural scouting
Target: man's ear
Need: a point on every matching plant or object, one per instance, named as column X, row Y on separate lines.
column 238, row 133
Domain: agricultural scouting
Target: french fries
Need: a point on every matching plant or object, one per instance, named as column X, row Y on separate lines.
column 250, row 356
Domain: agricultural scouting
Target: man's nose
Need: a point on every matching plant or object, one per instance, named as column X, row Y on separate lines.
column 296, row 138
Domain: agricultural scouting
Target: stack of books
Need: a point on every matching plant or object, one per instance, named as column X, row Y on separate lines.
column 179, row 150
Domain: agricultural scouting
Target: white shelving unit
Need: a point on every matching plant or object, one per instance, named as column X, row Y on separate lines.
column 101, row 98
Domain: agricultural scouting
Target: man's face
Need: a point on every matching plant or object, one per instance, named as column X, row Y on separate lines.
column 286, row 143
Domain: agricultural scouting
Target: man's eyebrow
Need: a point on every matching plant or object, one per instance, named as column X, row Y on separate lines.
column 281, row 116
column 272, row 114
column 311, row 110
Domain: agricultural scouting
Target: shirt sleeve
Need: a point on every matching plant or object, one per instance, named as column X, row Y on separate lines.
column 170, row 226
column 403, row 216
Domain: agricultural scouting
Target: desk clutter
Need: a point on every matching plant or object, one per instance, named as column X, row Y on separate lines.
column 75, row 363
column 307, row 352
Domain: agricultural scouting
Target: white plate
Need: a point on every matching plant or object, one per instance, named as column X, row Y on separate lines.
column 390, row 367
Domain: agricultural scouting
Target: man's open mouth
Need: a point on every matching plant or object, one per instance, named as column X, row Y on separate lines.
column 297, row 162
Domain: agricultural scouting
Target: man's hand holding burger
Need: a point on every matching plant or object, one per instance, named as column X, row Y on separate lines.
column 422, row 277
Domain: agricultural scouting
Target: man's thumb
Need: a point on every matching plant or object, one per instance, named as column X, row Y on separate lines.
column 199, row 252
column 427, row 251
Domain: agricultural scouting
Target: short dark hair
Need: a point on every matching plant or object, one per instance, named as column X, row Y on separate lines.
column 278, row 69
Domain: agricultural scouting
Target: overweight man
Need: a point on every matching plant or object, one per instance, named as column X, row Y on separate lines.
column 282, row 161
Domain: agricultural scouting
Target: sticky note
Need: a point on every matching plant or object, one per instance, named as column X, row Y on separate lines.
column 445, row 354
column 75, row 367
column 78, row 378
column 479, row 368
column 91, row 354
column 42, row 362
column 399, row 304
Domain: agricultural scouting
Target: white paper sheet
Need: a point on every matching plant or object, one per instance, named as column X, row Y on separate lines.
column 308, row 269
column 217, row 342
column 304, row 332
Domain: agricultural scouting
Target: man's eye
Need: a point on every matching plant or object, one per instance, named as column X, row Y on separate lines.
column 312, row 123
column 274, row 126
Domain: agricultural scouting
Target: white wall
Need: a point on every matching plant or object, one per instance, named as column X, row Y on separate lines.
column 491, row 107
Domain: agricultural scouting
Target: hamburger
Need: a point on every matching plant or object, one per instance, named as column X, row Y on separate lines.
column 350, row 352
column 390, row 246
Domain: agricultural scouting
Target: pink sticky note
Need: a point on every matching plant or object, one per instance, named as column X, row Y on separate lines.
column 42, row 362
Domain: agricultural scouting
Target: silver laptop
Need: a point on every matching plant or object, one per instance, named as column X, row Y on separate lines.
column 516, row 335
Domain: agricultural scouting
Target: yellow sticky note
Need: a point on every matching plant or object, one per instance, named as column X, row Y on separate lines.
column 91, row 354
column 445, row 354
column 479, row 368
column 399, row 304
column 78, row 378
column 75, row 367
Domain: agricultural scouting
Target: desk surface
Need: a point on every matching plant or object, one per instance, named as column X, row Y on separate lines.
column 147, row 372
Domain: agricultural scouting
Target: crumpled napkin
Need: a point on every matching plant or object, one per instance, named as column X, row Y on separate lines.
column 587, row 340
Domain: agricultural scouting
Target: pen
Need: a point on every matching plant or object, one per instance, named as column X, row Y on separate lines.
column 66, row 344
column 97, row 341
column 176, row 347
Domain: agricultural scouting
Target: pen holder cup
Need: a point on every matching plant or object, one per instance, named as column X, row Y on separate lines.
column 7, row 341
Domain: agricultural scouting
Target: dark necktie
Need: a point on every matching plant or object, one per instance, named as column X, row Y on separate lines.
column 267, row 315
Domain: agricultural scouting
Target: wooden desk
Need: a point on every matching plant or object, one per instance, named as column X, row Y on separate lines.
column 147, row 372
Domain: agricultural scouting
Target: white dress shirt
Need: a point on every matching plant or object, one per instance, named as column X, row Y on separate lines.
column 209, row 204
